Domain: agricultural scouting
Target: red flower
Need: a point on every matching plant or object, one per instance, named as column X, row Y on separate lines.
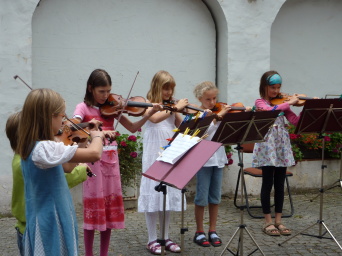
column 132, row 138
column 293, row 136
column 133, row 154
column 122, row 143
column 327, row 138
column 230, row 161
column 139, row 130
column 117, row 134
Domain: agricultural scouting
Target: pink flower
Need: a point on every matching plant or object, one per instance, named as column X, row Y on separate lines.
column 132, row 138
column 327, row 138
column 133, row 154
column 122, row 143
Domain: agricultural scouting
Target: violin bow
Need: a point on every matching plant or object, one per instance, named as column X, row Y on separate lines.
column 16, row 76
column 118, row 120
column 77, row 127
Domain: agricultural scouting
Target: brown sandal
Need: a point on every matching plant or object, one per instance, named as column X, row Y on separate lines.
column 271, row 231
column 284, row 230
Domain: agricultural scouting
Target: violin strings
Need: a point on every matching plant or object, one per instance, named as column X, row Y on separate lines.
column 77, row 127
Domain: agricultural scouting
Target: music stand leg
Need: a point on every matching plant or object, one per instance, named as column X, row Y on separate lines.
column 320, row 222
column 242, row 226
column 162, row 188
column 337, row 183
column 183, row 229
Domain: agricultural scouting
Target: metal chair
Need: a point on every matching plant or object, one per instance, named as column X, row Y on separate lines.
column 257, row 173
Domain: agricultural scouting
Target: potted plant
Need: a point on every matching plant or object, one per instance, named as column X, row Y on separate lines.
column 306, row 146
column 130, row 154
column 229, row 153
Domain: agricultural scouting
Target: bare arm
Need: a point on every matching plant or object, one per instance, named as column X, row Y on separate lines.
column 68, row 167
column 161, row 116
column 93, row 152
column 133, row 127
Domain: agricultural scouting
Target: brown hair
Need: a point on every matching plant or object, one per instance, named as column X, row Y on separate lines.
column 36, row 119
column 97, row 78
column 162, row 79
column 12, row 130
column 264, row 83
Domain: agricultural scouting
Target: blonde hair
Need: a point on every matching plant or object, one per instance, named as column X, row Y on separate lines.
column 12, row 129
column 201, row 88
column 161, row 80
column 36, row 118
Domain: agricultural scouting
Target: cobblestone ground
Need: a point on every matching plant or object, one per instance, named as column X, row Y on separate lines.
column 132, row 240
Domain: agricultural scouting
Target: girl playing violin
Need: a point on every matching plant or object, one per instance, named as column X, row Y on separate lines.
column 102, row 196
column 209, row 177
column 51, row 224
column 275, row 154
column 158, row 129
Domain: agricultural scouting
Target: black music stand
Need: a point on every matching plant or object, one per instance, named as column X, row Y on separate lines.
column 174, row 175
column 201, row 124
column 338, row 182
column 239, row 128
column 319, row 116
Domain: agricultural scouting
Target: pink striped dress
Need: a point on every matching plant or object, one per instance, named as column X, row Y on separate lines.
column 102, row 195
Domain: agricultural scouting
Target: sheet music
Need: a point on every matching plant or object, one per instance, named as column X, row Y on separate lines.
column 179, row 146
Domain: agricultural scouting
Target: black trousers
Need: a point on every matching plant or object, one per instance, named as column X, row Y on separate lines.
column 272, row 175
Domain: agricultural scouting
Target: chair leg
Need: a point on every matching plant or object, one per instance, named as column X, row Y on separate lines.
column 259, row 206
column 248, row 207
column 290, row 199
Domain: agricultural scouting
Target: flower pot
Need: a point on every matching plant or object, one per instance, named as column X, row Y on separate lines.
column 311, row 154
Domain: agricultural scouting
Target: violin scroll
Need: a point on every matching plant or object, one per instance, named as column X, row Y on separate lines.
column 189, row 109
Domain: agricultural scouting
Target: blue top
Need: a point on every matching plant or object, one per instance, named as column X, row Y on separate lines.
column 51, row 224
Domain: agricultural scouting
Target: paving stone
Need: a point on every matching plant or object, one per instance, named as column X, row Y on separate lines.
column 132, row 240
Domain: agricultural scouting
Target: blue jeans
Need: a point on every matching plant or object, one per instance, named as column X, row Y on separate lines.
column 208, row 186
column 20, row 242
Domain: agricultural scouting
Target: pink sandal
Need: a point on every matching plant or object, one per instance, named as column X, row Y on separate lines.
column 154, row 247
column 171, row 246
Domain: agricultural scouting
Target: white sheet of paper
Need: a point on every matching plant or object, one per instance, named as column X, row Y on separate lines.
column 179, row 146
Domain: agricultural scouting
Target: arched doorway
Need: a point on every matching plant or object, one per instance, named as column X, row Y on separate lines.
column 305, row 46
column 71, row 38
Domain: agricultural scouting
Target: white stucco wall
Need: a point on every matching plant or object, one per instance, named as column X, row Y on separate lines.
column 247, row 44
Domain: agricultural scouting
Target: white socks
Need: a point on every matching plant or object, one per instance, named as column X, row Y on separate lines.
column 151, row 224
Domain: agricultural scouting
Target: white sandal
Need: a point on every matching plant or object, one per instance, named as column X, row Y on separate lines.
column 171, row 246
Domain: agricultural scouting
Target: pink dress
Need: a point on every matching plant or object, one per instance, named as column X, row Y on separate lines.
column 103, row 206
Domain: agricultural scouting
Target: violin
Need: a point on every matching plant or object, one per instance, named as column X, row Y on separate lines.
column 74, row 131
column 283, row 97
column 235, row 107
column 115, row 104
column 134, row 106
column 189, row 108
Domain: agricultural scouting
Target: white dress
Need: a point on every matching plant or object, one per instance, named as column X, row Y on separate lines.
column 155, row 137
